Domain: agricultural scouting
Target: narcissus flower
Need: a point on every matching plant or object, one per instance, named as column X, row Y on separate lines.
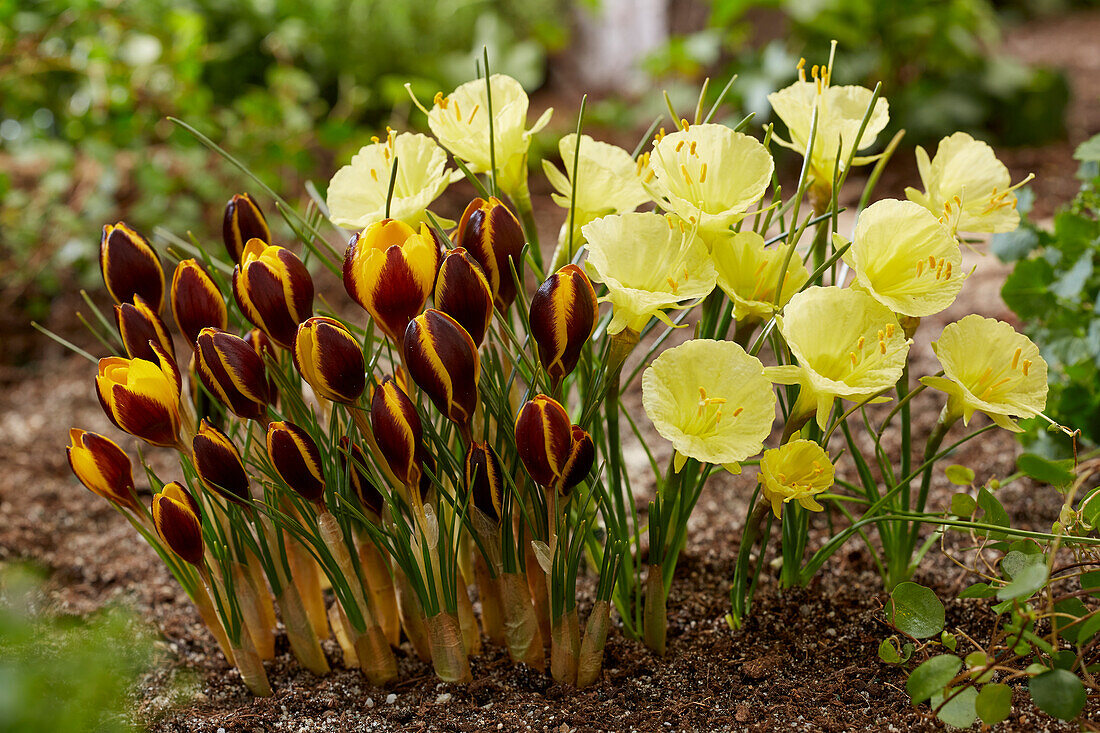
column 396, row 427
column 460, row 121
column 905, row 258
column 443, row 360
column 544, row 439
column 748, row 273
column 711, row 401
column 177, row 520
column 966, row 186
column 989, row 367
column 797, row 471
column 330, row 359
column 708, row 174
column 274, row 290
column 219, row 464
column 357, row 193
column 389, row 270
column 463, row 292
column 563, row 316
column 484, row 479
column 491, row 233
column 608, row 182
column 848, row 345
column 196, row 301
column 233, row 372
column 141, row 397
column 649, row 263
column 130, row 266
column 840, row 113
column 102, row 467
column 296, row 459
column 243, row 220
column 138, row 325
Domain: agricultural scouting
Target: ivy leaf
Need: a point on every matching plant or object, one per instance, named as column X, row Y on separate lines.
column 960, row 475
column 994, row 703
column 1057, row 693
column 916, row 611
column 932, row 676
column 888, row 653
column 963, row 505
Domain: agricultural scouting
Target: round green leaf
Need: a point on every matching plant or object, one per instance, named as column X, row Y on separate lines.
column 1025, row 582
column 994, row 703
column 960, row 475
column 963, row 505
column 959, row 712
column 932, row 676
column 1057, row 693
column 915, row 610
column 888, row 653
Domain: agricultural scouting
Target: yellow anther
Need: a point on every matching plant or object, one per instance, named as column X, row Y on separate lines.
column 931, row 261
column 692, row 148
column 702, row 172
column 1026, row 366
column 985, row 375
column 860, row 343
column 374, row 174
column 660, row 135
column 684, row 125
column 852, row 356
column 470, row 121
column 1016, row 357
column 374, row 139
column 685, row 274
column 939, row 267
column 947, row 272
column 882, row 347
column 458, row 113
column 889, row 330
column 679, row 146
column 920, row 268
column 738, row 411
column 801, row 69
column 685, row 174
column 673, row 284
column 650, row 176
column 439, row 100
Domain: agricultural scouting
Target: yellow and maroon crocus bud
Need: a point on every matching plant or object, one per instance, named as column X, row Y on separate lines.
column 491, row 233
column 330, row 359
column 389, row 270
column 219, row 464
column 354, row 460
column 130, row 266
column 582, row 456
column 397, row 430
column 177, row 520
column 485, row 479
column 463, row 292
column 243, row 221
column 274, row 290
column 102, row 467
column 544, row 438
column 442, row 359
column 196, row 301
column 233, row 372
column 138, row 325
column 142, row 397
column 296, row 459
column 259, row 341
column 563, row 314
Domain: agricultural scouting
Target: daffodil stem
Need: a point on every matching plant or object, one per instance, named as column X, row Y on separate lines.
column 906, row 446
column 740, row 596
column 935, row 439
column 522, row 199
column 820, row 246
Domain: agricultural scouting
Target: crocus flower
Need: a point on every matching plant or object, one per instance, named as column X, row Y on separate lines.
column 102, row 467
column 330, row 359
column 274, row 290
column 847, row 344
column 544, row 439
column 296, row 459
column 196, row 301
column 491, row 233
column 219, row 465
column 967, row 186
column 649, row 263
column 141, row 397
column 177, row 521
column 463, row 292
column 484, row 479
column 130, row 266
column 905, row 258
column 989, row 367
column 711, row 400
column 708, row 175
column 460, row 121
column 138, row 325
column 797, row 471
column 243, row 220
column 443, row 360
column 234, row 373
column 357, row 193
column 748, row 273
column 563, row 315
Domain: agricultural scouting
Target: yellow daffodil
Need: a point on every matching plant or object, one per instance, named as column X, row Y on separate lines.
column 649, row 263
column 708, row 174
column 905, row 258
column 797, row 471
column 711, row 401
column 840, row 112
column 848, row 345
column 966, row 186
column 748, row 273
column 460, row 121
column 990, row 368
column 607, row 183
column 357, row 193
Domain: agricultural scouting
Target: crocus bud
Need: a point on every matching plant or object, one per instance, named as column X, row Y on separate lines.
column 296, row 459
column 442, row 358
column 397, row 429
column 543, row 439
column 330, row 359
column 389, row 270
column 233, row 372
column 243, row 221
column 463, row 292
column 102, row 467
column 142, row 397
column 582, row 455
column 274, row 290
column 492, row 234
column 176, row 519
column 219, row 464
column 484, row 479
column 196, row 301
column 138, row 324
column 259, row 341
column 130, row 266
column 354, row 461
column 563, row 314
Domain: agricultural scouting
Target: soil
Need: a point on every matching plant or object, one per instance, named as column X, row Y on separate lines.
column 805, row 660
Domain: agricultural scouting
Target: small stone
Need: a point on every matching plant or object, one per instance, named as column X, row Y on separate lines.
column 370, row 702
column 443, row 698
column 391, row 699
column 221, row 730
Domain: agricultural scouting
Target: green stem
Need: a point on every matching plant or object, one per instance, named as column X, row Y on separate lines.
column 522, row 199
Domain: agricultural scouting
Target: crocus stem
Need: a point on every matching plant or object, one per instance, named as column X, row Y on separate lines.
column 565, row 647
column 375, row 656
column 251, row 666
column 488, row 589
column 205, row 606
column 521, row 627
column 306, row 574
column 248, row 598
column 344, row 634
column 448, row 655
column 380, row 583
column 412, row 615
column 536, row 582
column 471, row 634
column 590, row 661
column 299, row 631
column 263, row 592
column 655, row 618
